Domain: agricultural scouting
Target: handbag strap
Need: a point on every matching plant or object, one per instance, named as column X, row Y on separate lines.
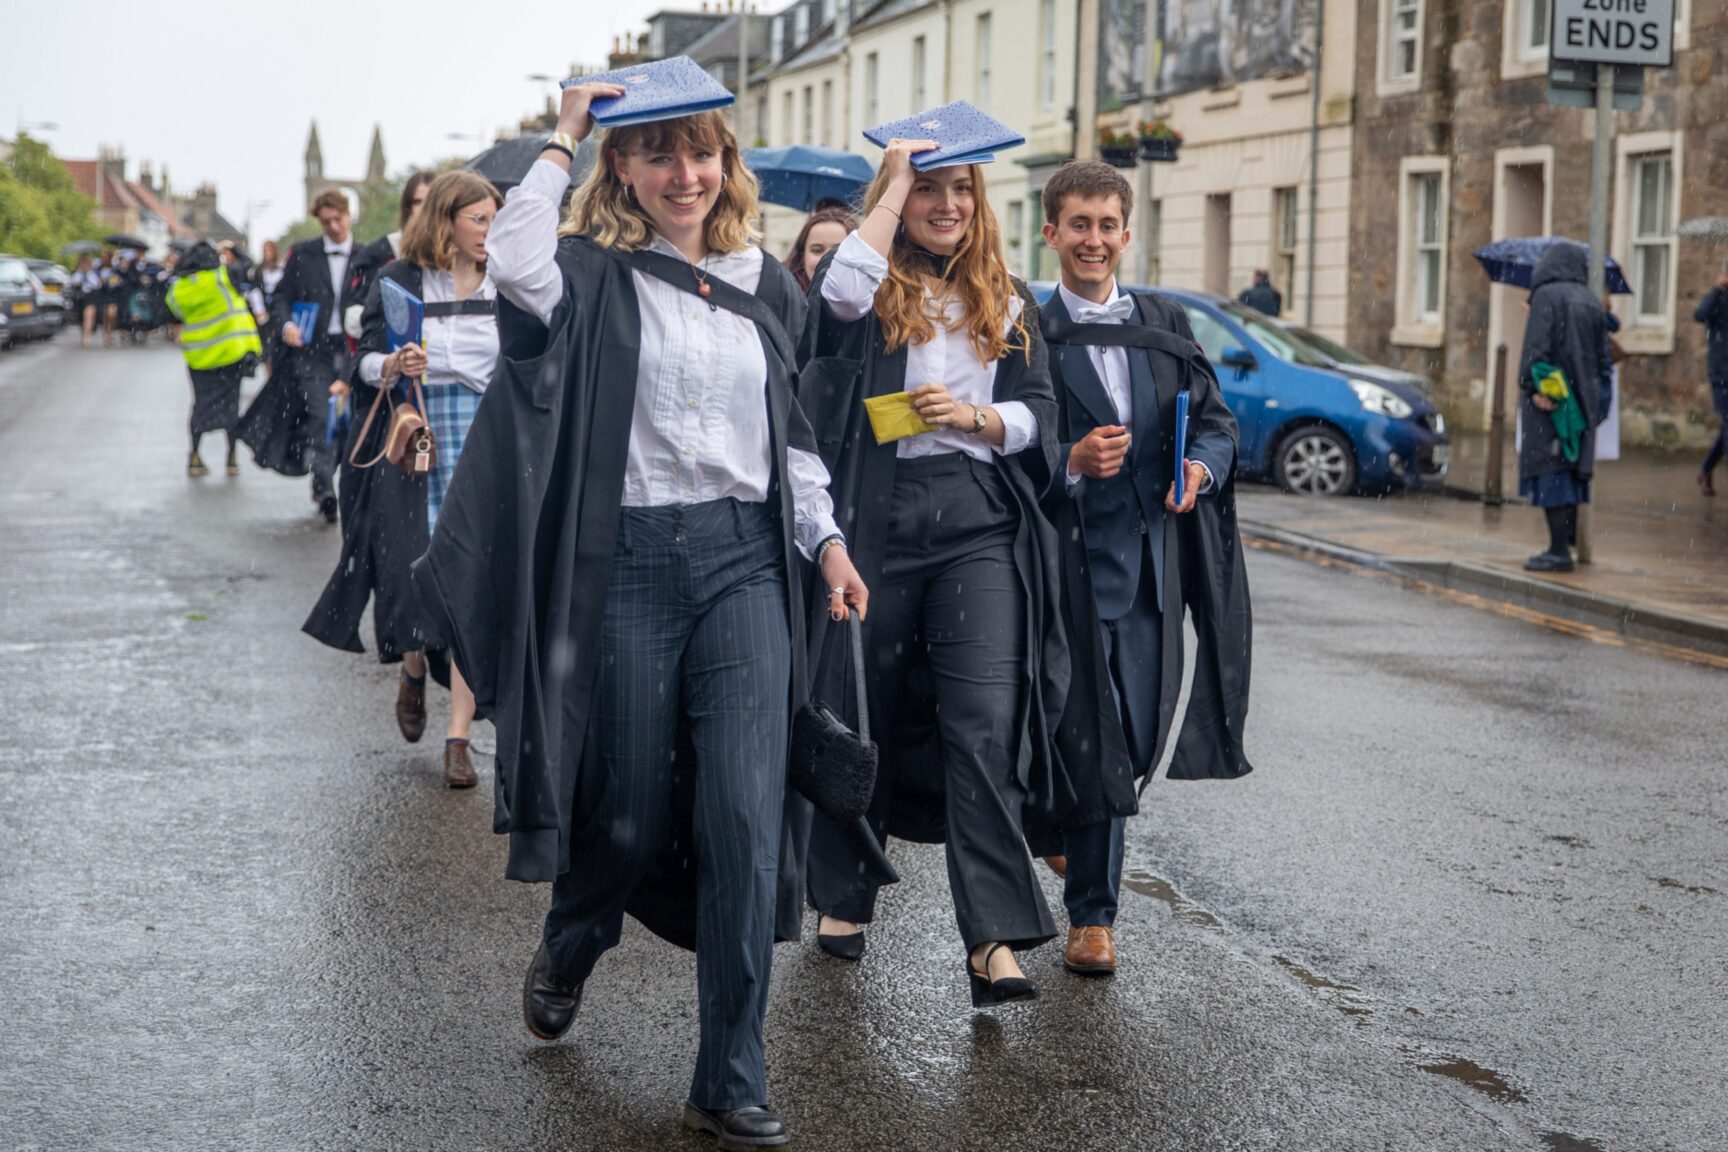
column 420, row 409
column 856, row 627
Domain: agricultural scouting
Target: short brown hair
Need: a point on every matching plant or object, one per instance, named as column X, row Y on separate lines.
column 329, row 198
column 1085, row 179
column 430, row 238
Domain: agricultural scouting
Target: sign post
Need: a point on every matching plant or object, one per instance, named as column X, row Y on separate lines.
column 1611, row 35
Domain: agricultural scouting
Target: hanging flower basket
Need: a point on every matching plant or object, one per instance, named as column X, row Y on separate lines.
column 1158, row 142
column 1116, row 148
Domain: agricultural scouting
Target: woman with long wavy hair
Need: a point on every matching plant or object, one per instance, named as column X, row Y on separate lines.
column 965, row 659
column 617, row 568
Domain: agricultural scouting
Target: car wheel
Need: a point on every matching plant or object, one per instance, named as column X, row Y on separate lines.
column 1315, row 461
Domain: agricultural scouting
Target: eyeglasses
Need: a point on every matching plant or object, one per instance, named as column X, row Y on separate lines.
column 478, row 219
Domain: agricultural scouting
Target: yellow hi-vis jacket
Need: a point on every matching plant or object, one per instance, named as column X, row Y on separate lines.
column 217, row 327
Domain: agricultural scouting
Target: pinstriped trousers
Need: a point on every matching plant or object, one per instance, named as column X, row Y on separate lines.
column 695, row 622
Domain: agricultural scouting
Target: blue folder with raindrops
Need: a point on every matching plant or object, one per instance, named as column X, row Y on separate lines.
column 404, row 314
column 663, row 90
column 964, row 135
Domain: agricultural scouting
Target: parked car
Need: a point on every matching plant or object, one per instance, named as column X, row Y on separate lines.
column 1310, row 422
column 1354, row 363
column 25, row 317
column 56, row 289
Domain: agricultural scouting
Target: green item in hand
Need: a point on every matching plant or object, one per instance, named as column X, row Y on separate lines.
column 1568, row 417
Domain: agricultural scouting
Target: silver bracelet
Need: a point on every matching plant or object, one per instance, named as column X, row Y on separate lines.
column 831, row 542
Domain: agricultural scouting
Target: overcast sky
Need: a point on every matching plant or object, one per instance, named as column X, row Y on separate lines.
column 146, row 77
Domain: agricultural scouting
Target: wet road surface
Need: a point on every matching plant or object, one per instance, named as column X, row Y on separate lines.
column 1474, row 897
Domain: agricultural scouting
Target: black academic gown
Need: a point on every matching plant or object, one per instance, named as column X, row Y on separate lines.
column 518, row 568
column 1203, row 573
column 288, row 413
column 383, row 512
column 842, row 364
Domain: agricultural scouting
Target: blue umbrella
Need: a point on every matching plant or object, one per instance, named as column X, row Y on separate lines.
column 801, row 176
column 1513, row 261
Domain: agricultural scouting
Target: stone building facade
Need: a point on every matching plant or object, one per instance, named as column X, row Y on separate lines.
column 1456, row 146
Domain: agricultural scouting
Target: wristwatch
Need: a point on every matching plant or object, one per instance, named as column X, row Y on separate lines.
column 978, row 421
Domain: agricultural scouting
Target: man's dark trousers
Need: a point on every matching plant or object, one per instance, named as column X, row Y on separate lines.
column 316, row 367
column 1133, row 650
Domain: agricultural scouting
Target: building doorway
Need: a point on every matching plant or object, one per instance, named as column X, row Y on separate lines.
column 1522, row 207
column 1217, row 265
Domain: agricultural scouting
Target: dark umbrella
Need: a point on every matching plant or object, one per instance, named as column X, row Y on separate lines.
column 801, row 176
column 508, row 161
column 1710, row 229
column 80, row 247
column 121, row 240
column 1513, row 261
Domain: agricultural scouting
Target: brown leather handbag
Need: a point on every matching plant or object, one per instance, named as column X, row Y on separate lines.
column 408, row 443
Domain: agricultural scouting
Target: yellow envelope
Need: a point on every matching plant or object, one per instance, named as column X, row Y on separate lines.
column 892, row 417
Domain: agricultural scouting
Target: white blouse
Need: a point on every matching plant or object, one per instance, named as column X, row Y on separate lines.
column 699, row 431
column 459, row 349
column 849, row 293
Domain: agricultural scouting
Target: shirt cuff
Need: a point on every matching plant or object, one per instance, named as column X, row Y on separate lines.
column 545, row 179
column 372, row 367
column 849, row 288
column 1019, row 427
column 1073, row 478
column 812, row 507
column 1206, row 485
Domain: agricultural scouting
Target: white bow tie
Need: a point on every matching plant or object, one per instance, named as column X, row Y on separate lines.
column 1121, row 308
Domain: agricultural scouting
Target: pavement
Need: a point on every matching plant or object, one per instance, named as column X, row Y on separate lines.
column 1659, row 548
column 1472, row 898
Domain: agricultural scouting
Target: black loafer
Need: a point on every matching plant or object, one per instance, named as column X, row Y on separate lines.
column 1548, row 562
column 327, row 507
column 740, row 1129
column 549, row 1003
column 847, row 947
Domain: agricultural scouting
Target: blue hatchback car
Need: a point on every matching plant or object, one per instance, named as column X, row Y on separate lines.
column 1309, row 422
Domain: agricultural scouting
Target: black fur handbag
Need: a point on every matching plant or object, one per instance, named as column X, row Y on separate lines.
column 832, row 766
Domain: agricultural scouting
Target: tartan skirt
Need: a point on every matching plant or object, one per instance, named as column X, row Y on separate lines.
column 450, row 409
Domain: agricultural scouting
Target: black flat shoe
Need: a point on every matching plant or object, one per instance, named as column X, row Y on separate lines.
column 986, row 992
column 849, row 946
column 742, row 1128
column 548, row 1003
column 327, row 508
column 1548, row 562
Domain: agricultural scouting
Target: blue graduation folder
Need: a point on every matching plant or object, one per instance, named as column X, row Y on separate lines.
column 1181, row 447
column 304, row 314
column 662, row 90
column 335, row 419
column 964, row 135
column 404, row 314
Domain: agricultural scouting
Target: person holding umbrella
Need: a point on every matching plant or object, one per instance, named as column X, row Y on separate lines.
column 1559, row 374
column 1713, row 314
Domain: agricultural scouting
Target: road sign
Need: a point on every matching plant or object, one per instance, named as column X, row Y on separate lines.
column 1573, row 85
column 1637, row 32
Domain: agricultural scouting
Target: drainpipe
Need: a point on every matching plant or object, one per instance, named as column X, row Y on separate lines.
column 947, row 51
column 1314, row 165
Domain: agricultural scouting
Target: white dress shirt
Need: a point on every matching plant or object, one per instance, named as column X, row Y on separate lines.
column 459, row 349
column 337, row 256
column 699, row 431
column 849, row 293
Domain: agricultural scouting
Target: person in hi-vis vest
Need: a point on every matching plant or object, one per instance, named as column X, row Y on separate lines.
column 219, row 339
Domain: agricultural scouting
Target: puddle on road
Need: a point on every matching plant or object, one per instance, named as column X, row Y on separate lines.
column 1694, row 889
column 1472, row 1075
column 1161, row 890
column 1563, row 1142
column 1343, row 997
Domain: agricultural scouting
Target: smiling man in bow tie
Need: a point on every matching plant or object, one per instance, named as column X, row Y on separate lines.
column 1119, row 361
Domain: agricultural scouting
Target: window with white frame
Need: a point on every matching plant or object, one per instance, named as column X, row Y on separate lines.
column 1652, row 234
column 827, row 10
column 786, row 121
column 981, row 89
column 809, row 133
column 1047, row 58
column 800, row 26
column 1284, row 201
column 918, row 104
column 1532, row 29
column 1401, row 51
column 872, row 91
column 827, row 113
column 777, row 38
column 1423, row 228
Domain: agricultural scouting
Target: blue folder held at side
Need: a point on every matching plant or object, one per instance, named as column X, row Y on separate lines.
column 662, row 90
column 964, row 135
column 1181, row 447
column 304, row 314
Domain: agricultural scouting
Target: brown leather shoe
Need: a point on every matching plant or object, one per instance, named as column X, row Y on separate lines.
column 1058, row 865
column 1091, row 951
column 411, row 708
column 458, row 769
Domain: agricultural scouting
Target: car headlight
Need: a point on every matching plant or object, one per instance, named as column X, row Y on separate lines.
column 1381, row 401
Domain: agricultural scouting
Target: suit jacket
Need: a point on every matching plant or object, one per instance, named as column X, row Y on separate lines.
column 1126, row 511
column 306, row 279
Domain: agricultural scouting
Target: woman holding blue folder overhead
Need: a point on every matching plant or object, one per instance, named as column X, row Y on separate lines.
column 616, row 565
column 926, row 379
